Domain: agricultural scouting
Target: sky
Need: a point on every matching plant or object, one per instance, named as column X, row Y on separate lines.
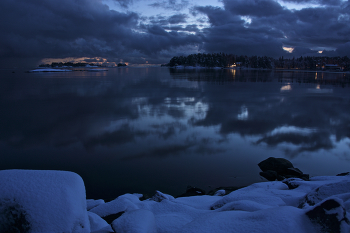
column 153, row 31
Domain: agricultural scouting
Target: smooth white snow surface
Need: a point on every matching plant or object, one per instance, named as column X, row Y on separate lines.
column 53, row 201
column 261, row 207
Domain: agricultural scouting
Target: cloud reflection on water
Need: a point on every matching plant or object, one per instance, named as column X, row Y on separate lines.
column 140, row 117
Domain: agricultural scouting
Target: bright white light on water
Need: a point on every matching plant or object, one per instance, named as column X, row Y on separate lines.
column 286, row 88
column 243, row 116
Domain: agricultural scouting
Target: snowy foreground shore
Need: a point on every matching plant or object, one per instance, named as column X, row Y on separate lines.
column 55, row 201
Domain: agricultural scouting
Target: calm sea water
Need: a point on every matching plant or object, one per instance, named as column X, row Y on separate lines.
column 145, row 129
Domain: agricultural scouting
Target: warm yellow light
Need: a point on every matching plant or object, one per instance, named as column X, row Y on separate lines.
column 288, row 49
column 286, row 88
column 320, row 51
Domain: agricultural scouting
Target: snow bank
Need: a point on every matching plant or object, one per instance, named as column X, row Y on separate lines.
column 274, row 206
column 54, row 201
column 42, row 201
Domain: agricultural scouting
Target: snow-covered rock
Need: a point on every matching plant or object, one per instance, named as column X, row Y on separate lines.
column 159, row 196
column 120, row 204
column 330, row 216
column 328, row 190
column 91, row 203
column 42, row 201
column 135, row 221
column 96, row 222
column 54, row 201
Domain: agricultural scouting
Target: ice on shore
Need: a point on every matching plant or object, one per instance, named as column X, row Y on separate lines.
column 54, row 201
column 49, row 70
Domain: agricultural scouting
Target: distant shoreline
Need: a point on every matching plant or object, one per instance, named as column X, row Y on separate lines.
column 245, row 68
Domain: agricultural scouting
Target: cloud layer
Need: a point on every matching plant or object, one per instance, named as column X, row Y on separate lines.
column 88, row 28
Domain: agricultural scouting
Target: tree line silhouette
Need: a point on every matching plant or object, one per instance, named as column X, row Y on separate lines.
column 229, row 60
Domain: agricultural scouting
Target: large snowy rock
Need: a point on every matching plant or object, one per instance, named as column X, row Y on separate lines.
column 327, row 190
column 330, row 216
column 42, row 201
column 136, row 221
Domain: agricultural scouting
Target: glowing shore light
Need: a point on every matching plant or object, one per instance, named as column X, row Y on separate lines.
column 320, row 51
column 288, row 49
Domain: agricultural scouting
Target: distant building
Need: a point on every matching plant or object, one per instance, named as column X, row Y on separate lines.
column 331, row 67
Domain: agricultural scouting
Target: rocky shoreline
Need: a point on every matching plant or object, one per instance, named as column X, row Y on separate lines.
column 290, row 201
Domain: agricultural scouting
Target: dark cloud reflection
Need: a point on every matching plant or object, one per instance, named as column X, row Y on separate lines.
column 141, row 126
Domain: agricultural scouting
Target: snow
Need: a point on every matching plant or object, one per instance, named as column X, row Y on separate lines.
column 49, row 70
column 136, row 221
column 90, row 203
column 51, row 201
column 96, row 222
column 54, row 201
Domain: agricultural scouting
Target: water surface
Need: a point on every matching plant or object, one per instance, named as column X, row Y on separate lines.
column 145, row 129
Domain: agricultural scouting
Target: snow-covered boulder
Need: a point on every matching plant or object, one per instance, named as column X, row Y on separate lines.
column 136, row 221
column 42, row 201
column 91, row 203
column 159, row 196
column 96, row 222
column 330, row 216
column 327, row 190
column 121, row 204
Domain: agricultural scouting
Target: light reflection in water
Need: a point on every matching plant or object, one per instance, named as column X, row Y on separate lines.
column 169, row 129
column 243, row 116
column 287, row 87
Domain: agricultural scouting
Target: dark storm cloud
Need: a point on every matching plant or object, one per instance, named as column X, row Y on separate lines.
column 171, row 4
column 258, row 8
column 322, row 2
column 179, row 18
column 174, row 19
column 87, row 28
column 84, row 28
column 263, row 27
column 124, row 3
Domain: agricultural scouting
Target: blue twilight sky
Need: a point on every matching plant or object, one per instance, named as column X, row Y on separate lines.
column 153, row 31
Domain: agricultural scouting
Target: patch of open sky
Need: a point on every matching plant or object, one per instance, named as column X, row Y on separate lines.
column 296, row 6
column 149, row 9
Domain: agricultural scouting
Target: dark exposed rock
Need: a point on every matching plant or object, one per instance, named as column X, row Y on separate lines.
column 227, row 190
column 192, row 191
column 344, row 174
column 329, row 215
column 280, row 165
column 110, row 218
column 280, row 169
column 293, row 183
column 269, row 175
column 294, row 171
column 159, row 196
column 13, row 217
column 305, row 177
